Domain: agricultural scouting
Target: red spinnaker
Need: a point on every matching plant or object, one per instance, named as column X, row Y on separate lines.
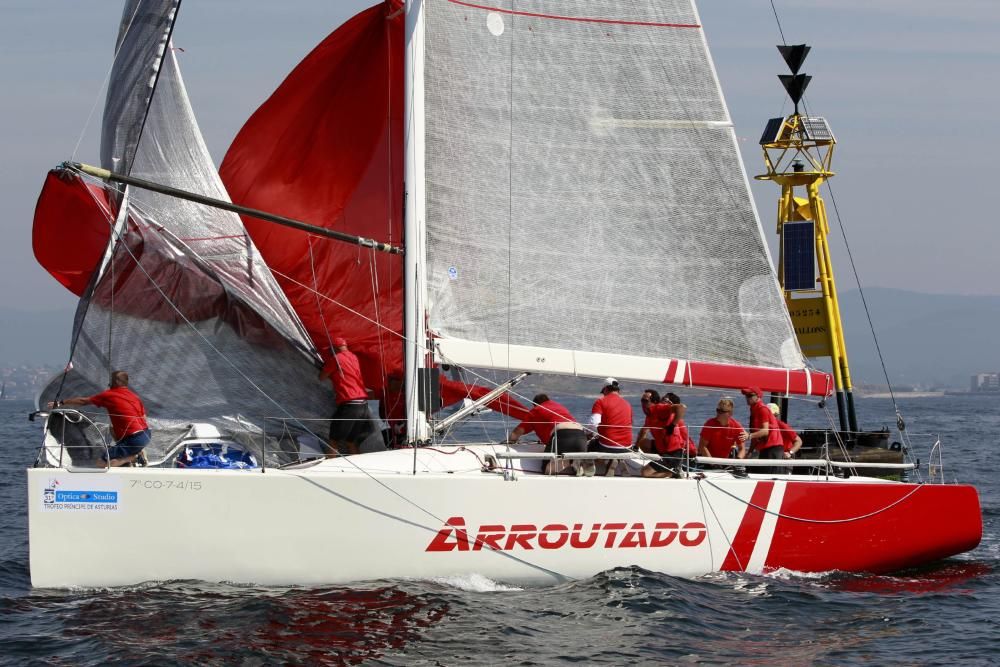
column 327, row 148
column 72, row 228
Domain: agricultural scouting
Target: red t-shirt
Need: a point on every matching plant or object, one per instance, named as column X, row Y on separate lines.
column 615, row 429
column 127, row 413
column 680, row 439
column 760, row 414
column 788, row 435
column 720, row 439
column 542, row 419
column 345, row 374
column 661, row 415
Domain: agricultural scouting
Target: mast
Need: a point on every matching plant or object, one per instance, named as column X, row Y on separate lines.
column 418, row 381
column 798, row 153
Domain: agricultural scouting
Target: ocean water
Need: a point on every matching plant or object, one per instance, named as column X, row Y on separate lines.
column 944, row 613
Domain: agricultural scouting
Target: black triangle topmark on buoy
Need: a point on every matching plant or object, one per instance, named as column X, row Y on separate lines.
column 795, row 85
column 794, row 55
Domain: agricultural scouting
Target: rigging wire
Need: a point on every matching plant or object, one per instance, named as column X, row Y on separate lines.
column 104, row 83
column 76, row 148
column 165, row 53
column 864, row 301
column 315, row 291
column 510, row 176
column 111, row 315
column 861, row 517
column 296, row 420
column 379, row 327
column 901, row 425
column 778, row 21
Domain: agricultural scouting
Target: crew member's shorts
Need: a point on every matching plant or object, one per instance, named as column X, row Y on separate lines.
column 128, row 446
column 567, row 440
column 595, row 445
column 352, row 422
column 671, row 462
column 774, row 452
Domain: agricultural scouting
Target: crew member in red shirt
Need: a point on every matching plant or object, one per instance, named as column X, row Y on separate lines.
column 555, row 427
column 644, row 440
column 789, row 438
column 128, row 420
column 611, row 417
column 661, row 421
column 764, row 435
column 722, row 436
column 674, row 445
column 351, row 422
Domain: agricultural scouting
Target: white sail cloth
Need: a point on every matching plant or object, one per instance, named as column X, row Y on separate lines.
column 185, row 304
column 584, row 192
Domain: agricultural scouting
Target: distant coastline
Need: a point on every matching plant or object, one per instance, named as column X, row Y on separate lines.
column 907, row 394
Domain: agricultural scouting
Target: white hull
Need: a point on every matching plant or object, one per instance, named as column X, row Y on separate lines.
column 332, row 523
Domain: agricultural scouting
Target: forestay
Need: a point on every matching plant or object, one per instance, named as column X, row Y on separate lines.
column 587, row 210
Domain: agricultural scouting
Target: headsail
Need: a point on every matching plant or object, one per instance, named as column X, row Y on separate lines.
column 183, row 300
column 587, row 211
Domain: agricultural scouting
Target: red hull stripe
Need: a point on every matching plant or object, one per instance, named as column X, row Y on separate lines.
column 729, row 376
column 746, row 536
column 577, row 19
column 872, row 527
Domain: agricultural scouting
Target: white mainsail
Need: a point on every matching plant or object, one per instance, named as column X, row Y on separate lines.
column 587, row 211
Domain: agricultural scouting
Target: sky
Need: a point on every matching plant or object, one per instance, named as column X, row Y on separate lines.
column 910, row 88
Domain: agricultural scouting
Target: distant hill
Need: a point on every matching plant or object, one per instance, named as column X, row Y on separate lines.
column 35, row 337
column 926, row 339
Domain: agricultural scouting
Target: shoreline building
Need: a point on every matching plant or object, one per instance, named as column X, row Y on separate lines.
column 985, row 382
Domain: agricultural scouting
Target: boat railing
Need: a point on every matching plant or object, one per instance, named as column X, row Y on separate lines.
column 830, row 466
column 281, row 446
column 55, row 450
column 935, row 468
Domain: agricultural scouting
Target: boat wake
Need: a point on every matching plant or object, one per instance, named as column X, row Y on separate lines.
column 474, row 583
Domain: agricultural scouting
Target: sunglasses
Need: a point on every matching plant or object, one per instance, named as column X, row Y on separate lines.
column 721, row 411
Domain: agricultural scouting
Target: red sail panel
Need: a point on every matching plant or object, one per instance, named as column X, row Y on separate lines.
column 727, row 376
column 71, row 229
column 327, row 148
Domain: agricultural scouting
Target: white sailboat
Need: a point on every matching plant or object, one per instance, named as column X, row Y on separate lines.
column 538, row 163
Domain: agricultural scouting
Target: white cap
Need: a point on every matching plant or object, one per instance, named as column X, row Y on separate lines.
column 610, row 381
